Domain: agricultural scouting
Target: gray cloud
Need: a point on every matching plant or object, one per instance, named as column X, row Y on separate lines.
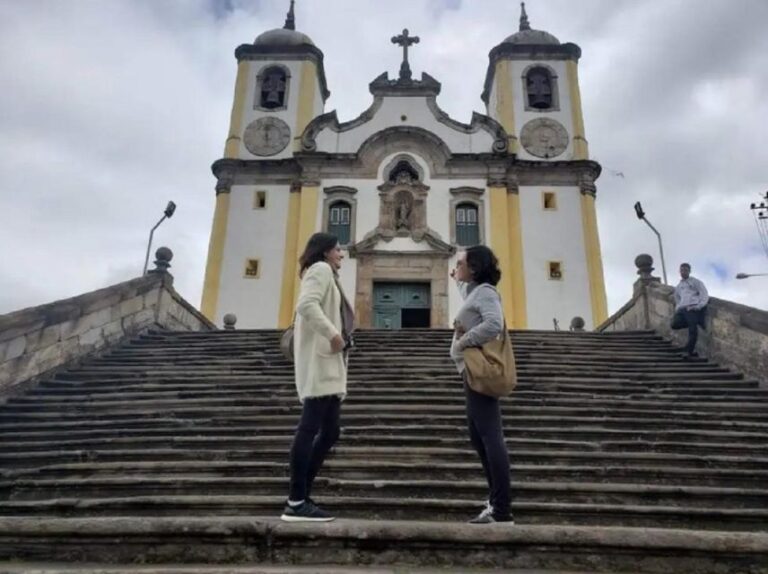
column 110, row 109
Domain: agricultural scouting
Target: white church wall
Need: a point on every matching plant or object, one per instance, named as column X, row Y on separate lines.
column 390, row 114
column 554, row 235
column 253, row 234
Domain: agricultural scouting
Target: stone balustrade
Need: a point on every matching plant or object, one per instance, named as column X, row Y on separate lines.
column 736, row 335
column 37, row 340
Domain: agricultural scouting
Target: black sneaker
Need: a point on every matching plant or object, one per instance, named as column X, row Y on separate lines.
column 484, row 514
column 305, row 512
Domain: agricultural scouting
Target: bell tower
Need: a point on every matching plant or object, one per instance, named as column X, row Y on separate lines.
column 532, row 90
column 280, row 87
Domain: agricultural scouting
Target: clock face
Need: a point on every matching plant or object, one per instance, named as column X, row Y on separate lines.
column 544, row 137
column 266, row 136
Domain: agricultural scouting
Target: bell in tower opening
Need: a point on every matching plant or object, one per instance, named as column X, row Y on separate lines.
column 538, row 84
column 273, row 89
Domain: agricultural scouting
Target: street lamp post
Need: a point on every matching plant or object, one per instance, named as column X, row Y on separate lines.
column 641, row 215
column 167, row 214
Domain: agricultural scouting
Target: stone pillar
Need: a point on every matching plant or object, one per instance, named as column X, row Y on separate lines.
column 644, row 264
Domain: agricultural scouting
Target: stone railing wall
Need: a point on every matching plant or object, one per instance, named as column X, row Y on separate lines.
column 36, row 341
column 736, row 335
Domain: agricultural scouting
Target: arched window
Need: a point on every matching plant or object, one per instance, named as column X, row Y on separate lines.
column 340, row 221
column 272, row 93
column 540, row 88
column 467, row 225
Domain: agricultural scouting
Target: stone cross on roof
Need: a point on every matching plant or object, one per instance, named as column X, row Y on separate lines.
column 405, row 41
column 290, row 19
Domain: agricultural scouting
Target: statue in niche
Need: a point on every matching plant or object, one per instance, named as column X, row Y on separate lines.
column 539, row 87
column 403, row 210
column 273, row 89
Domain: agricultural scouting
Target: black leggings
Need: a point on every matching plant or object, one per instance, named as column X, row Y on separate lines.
column 316, row 434
column 487, row 435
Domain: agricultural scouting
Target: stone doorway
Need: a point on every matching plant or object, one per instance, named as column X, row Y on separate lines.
column 401, row 305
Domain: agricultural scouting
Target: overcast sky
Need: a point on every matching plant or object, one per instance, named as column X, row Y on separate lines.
column 110, row 108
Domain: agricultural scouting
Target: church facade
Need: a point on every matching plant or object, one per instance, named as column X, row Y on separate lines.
column 405, row 187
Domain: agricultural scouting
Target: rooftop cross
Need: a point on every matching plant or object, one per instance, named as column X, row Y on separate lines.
column 405, row 41
column 290, row 19
column 524, row 24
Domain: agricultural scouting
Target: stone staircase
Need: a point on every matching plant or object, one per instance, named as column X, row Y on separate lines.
column 173, row 448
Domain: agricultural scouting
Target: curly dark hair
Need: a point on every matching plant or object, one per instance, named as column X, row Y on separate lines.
column 317, row 246
column 483, row 264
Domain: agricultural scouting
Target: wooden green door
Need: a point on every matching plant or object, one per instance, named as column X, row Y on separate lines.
column 400, row 305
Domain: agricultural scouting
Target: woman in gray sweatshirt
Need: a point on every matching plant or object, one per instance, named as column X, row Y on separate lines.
column 479, row 320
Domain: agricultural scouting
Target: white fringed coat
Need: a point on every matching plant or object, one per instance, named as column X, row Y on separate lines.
column 319, row 372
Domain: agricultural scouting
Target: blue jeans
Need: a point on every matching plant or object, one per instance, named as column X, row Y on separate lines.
column 691, row 320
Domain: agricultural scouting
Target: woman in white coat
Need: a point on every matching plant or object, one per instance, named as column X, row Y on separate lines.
column 322, row 334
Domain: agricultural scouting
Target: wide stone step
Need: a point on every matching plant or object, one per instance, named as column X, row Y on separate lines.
column 227, row 540
column 565, row 432
column 190, row 417
column 580, row 492
column 259, row 440
column 382, row 454
column 754, row 422
column 377, row 508
column 252, row 568
column 287, row 398
column 363, row 469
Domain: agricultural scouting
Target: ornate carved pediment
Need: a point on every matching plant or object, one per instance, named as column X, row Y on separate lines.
column 437, row 247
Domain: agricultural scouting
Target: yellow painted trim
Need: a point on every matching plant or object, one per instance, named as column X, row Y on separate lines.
column 505, row 102
column 307, row 224
column 594, row 260
column 501, row 246
column 215, row 260
column 516, row 263
column 306, row 109
column 232, row 147
column 290, row 262
column 580, row 147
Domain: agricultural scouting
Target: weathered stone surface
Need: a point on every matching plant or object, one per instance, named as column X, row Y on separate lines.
column 15, row 348
column 36, row 340
column 406, row 544
column 736, row 335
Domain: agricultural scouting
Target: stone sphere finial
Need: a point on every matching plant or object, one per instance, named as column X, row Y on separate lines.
column 163, row 257
column 229, row 321
column 644, row 264
column 577, row 324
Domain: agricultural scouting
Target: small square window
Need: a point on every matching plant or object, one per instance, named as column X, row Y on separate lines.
column 252, row 269
column 550, row 200
column 260, row 200
column 555, row 270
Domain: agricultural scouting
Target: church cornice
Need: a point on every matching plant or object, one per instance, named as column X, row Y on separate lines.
column 537, row 52
column 251, row 52
column 500, row 170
